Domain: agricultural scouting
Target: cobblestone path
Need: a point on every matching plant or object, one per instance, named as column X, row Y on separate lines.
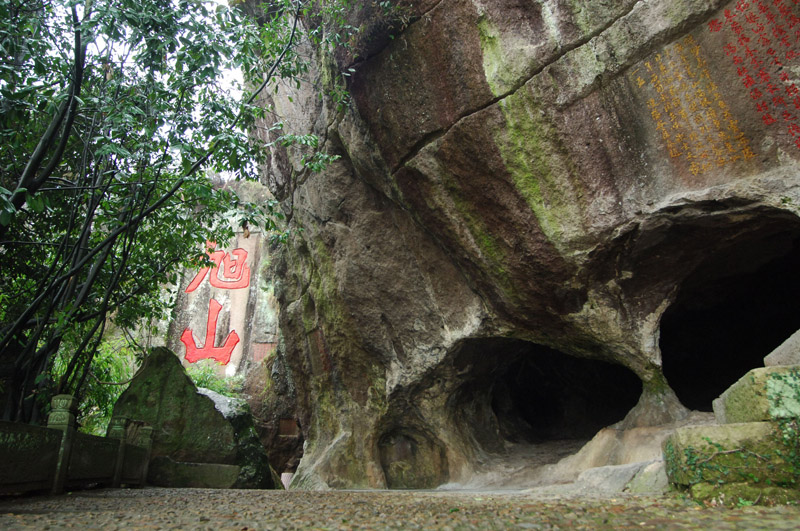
column 153, row 508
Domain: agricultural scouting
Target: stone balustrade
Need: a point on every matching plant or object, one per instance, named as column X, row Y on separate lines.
column 58, row 457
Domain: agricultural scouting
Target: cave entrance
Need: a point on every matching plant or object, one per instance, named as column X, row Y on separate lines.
column 546, row 395
column 738, row 306
column 546, row 403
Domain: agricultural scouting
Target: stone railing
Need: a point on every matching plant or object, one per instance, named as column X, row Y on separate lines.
column 58, row 457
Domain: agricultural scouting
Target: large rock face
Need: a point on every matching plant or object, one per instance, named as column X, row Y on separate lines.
column 548, row 217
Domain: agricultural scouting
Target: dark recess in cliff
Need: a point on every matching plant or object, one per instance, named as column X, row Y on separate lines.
column 739, row 305
column 528, row 393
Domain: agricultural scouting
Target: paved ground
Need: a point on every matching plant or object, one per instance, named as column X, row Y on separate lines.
column 241, row 510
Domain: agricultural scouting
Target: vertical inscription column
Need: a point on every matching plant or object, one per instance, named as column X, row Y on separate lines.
column 763, row 37
column 693, row 119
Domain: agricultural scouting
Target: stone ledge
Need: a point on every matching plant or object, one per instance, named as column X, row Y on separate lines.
column 750, row 453
column 763, row 394
column 164, row 472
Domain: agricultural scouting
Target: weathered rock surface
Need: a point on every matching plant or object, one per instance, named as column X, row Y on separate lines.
column 652, row 478
column 548, row 217
column 193, row 427
column 788, row 353
column 770, row 393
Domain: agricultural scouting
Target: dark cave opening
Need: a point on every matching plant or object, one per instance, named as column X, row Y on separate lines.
column 521, row 392
column 733, row 310
column 545, row 395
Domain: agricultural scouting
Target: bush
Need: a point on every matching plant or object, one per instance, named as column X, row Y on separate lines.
column 205, row 374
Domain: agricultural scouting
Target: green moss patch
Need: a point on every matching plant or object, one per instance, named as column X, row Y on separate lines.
column 706, row 460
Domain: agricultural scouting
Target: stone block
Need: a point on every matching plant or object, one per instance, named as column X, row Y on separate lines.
column 767, row 393
column 788, row 353
column 652, row 479
column 608, row 479
column 92, row 459
column 164, row 472
column 29, row 457
column 750, row 452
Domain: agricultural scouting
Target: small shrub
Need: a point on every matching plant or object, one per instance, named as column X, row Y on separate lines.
column 205, row 374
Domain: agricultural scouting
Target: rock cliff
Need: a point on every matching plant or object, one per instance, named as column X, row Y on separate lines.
column 548, row 217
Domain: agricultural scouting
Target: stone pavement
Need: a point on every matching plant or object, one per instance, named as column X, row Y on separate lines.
column 153, row 508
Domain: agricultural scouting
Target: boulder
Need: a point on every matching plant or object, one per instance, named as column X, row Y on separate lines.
column 193, row 426
column 760, row 455
column 769, row 393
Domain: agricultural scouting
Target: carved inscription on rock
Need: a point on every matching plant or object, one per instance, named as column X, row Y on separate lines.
column 762, row 42
column 690, row 113
column 754, row 46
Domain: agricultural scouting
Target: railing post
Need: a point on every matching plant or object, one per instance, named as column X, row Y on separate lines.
column 146, row 440
column 62, row 417
column 117, row 429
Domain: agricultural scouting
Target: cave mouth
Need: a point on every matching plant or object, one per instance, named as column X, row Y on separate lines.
column 545, row 395
column 531, row 395
column 738, row 306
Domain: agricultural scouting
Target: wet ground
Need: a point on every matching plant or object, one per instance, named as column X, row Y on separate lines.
column 153, row 508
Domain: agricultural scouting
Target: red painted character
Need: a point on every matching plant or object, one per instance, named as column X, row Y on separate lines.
column 235, row 271
column 235, row 275
column 208, row 350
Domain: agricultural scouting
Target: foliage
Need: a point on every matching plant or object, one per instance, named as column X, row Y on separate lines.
column 205, row 373
column 111, row 114
column 112, row 369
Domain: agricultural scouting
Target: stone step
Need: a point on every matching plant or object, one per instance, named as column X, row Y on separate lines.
column 766, row 393
column 165, row 472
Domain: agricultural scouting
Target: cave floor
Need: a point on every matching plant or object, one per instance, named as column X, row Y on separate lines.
column 154, row 508
column 521, row 465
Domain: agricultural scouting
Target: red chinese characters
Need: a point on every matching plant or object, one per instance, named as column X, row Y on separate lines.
column 234, row 269
column 765, row 34
column 230, row 271
column 208, row 350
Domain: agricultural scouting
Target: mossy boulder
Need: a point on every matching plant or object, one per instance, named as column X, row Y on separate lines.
column 767, row 393
column 708, row 459
column 192, row 425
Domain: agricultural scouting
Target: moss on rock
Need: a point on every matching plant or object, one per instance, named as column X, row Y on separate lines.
column 192, row 426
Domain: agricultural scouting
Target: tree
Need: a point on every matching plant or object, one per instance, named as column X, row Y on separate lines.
column 111, row 114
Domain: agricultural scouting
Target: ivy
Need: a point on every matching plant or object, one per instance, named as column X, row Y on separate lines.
column 773, row 463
